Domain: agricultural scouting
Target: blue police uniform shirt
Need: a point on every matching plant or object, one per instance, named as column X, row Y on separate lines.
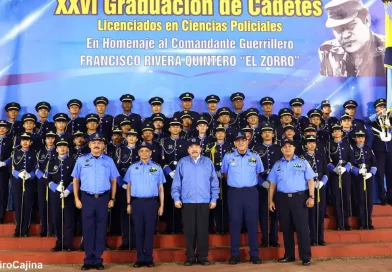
column 291, row 176
column 95, row 173
column 144, row 179
column 195, row 182
column 242, row 170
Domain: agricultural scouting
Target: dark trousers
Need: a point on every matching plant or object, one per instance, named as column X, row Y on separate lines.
column 267, row 219
column 243, row 203
column 342, row 209
column 114, row 217
column 68, row 218
column 196, row 217
column 221, row 212
column 317, row 228
column 43, row 205
column 293, row 213
column 144, row 214
column 362, row 195
column 172, row 215
column 95, row 218
column 23, row 214
column 4, row 179
column 127, row 224
column 384, row 169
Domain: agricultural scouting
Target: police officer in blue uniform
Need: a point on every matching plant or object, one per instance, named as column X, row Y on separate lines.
column 145, row 180
column 105, row 124
column 350, row 109
column 23, row 163
column 327, row 121
column 186, row 104
column 267, row 116
column 173, row 149
column 269, row 154
column 148, row 137
column 124, row 158
column 44, row 155
column 299, row 121
column 15, row 127
column 224, row 117
column 29, row 121
column 216, row 151
column 42, row 126
column 5, row 153
column 383, row 151
column 363, row 170
column 341, row 157
column 75, row 122
column 238, row 118
column 316, row 214
column 195, row 190
column 211, row 117
column 58, row 178
column 292, row 179
column 127, row 105
column 97, row 175
column 242, row 167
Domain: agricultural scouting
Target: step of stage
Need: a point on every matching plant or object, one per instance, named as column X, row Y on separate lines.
column 215, row 254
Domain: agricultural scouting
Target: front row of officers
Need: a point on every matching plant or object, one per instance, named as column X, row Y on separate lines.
column 235, row 189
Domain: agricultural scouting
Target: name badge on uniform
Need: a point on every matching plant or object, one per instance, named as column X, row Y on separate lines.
column 175, row 162
column 297, row 165
column 233, row 162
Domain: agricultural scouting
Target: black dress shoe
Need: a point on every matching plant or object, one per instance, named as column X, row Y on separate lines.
column 42, row 235
column 99, row 266
column 339, row 228
column 347, row 228
column 123, row 247
column 189, row 262
column 138, row 264
column 371, row 227
column 286, row 260
column 203, row 262
column 87, row 267
column 16, row 234
column 263, row 245
column 322, row 243
column 306, row 263
column 218, row 232
column 274, row 245
column 234, row 260
column 25, row 235
column 68, row 249
column 56, row 249
column 313, row 244
column 255, row 260
column 107, row 248
column 361, row 228
column 179, row 232
column 150, row 264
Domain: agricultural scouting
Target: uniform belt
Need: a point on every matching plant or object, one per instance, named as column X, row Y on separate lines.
column 242, row 189
column 97, row 195
column 144, row 198
column 292, row 194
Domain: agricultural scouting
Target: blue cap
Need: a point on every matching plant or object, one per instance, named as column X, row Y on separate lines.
column 97, row 137
column 144, row 144
column 286, row 141
column 240, row 135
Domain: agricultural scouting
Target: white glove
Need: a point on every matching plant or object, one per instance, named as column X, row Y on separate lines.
column 65, row 194
column 387, row 122
column 362, row 171
column 219, row 174
column 27, row 175
column 59, row 188
column 342, row 170
column 265, row 184
column 337, row 170
column 316, row 184
column 2, row 164
column 368, row 175
column 171, row 174
column 21, row 174
column 124, row 186
column 320, row 184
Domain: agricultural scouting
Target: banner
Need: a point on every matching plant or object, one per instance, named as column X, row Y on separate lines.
column 59, row 50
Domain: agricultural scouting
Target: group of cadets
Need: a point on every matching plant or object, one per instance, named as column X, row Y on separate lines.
column 38, row 156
